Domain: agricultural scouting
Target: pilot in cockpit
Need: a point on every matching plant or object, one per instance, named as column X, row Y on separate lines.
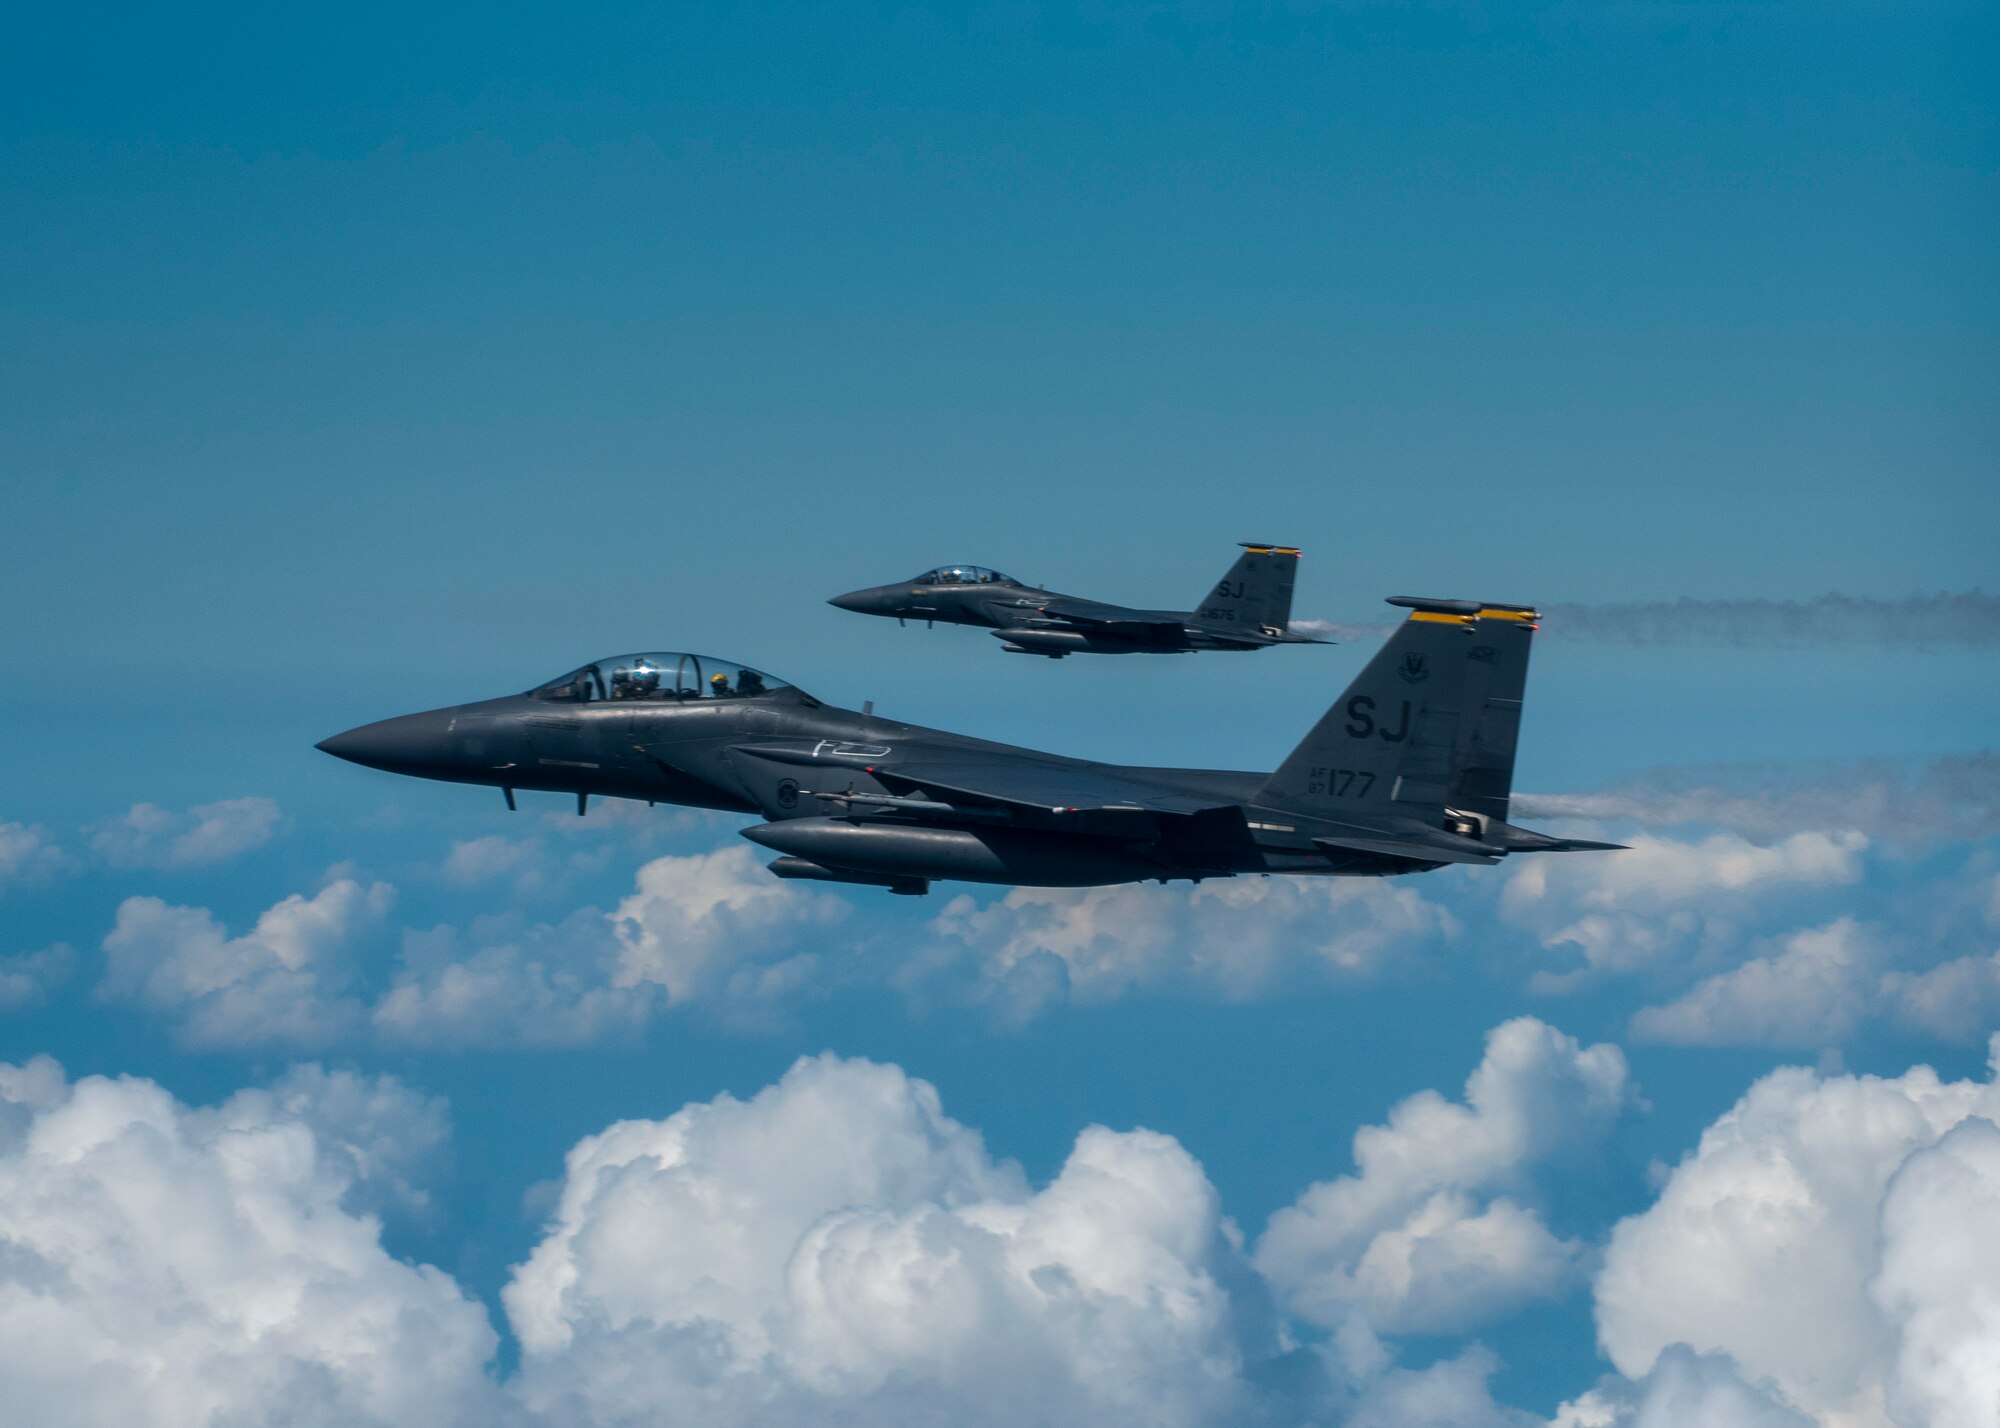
column 718, row 685
column 749, row 682
column 641, row 681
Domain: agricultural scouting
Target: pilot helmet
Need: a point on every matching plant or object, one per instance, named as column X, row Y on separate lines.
column 646, row 674
column 718, row 681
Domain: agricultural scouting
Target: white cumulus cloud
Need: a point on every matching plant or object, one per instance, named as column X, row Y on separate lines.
column 1430, row 1234
column 1682, row 1390
column 284, row 981
column 837, row 1249
column 27, row 855
column 506, row 982
column 1831, row 1235
column 379, row 1136
column 182, row 1268
column 708, row 927
column 1938, row 1286
column 490, row 859
column 1451, row 1393
column 1957, row 1000
column 1810, row 992
column 28, row 978
column 148, row 836
column 707, row 924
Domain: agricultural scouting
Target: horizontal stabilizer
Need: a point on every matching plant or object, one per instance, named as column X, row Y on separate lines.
column 1407, row 839
column 1392, row 847
column 1526, row 840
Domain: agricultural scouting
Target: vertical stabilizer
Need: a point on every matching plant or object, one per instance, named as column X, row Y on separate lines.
column 1255, row 597
column 1497, row 663
column 1391, row 745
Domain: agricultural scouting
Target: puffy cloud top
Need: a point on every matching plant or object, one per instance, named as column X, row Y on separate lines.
column 279, row 982
column 1833, row 1235
column 165, row 1266
column 1938, row 1286
column 711, row 926
column 148, row 836
column 704, row 924
column 1418, row 1238
column 1810, row 992
column 27, row 855
column 838, row 1248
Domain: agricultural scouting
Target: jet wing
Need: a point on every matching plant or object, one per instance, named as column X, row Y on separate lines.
column 1115, row 619
column 1042, row 788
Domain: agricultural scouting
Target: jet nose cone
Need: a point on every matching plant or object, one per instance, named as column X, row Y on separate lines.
column 410, row 743
column 859, row 601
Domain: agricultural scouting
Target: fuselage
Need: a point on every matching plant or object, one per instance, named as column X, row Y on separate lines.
column 1046, row 622
column 825, row 781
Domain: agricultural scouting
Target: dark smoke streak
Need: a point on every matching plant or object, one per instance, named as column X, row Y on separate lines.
column 1921, row 621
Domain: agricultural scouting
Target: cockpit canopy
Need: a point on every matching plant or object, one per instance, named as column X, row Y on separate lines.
column 962, row 575
column 661, row 675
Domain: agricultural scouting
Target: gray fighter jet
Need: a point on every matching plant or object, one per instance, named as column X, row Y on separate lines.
column 1409, row 770
column 1249, row 608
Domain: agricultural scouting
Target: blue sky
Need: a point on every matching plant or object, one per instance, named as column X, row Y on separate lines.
column 363, row 362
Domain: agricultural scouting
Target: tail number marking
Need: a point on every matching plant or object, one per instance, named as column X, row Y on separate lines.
column 1340, row 783
column 1361, row 717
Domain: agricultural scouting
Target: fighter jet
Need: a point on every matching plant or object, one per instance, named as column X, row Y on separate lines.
column 1249, row 608
column 1410, row 770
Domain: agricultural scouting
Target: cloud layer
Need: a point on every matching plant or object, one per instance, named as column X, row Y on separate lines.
column 838, row 1249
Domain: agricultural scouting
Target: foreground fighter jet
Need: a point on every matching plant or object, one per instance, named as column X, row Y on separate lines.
column 1409, row 770
column 1249, row 608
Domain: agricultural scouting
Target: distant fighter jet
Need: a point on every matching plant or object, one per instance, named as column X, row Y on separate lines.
column 1409, row 770
column 1249, row 608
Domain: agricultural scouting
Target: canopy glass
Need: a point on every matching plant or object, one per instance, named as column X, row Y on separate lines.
column 961, row 575
column 658, row 675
